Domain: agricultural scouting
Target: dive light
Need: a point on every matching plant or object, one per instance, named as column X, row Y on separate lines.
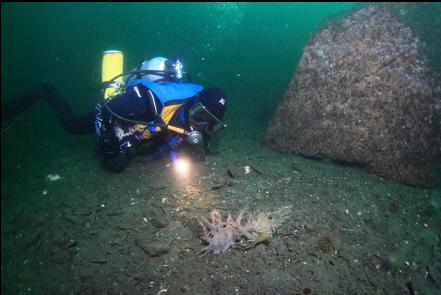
column 194, row 137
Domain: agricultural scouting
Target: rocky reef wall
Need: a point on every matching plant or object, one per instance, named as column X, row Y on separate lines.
column 365, row 95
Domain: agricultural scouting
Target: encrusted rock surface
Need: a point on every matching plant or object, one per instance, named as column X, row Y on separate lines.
column 365, row 95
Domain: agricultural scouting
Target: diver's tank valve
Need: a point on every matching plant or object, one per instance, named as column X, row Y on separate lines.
column 178, row 69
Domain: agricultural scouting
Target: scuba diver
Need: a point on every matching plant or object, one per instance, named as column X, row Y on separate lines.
column 149, row 108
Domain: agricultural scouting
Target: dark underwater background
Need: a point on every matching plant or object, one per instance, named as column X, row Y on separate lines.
column 251, row 51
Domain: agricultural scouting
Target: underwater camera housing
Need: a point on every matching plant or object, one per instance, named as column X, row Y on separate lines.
column 204, row 120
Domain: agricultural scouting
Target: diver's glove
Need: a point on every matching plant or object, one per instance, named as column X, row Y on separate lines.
column 109, row 145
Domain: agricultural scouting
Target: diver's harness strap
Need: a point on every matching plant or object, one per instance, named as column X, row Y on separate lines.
column 166, row 74
column 157, row 121
column 130, row 74
column 160, row 124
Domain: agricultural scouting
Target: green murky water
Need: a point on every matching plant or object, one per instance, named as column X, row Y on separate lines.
column 250, row 50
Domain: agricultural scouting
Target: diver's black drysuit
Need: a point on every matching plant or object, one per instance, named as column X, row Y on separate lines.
column 76, row 125
column 109, row 145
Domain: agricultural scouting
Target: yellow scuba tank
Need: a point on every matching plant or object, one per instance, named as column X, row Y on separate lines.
column 112, row 66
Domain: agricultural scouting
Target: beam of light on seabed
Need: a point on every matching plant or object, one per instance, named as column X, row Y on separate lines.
column 191, row 187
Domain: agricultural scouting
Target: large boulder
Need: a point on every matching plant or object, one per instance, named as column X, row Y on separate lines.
column 365, row 95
